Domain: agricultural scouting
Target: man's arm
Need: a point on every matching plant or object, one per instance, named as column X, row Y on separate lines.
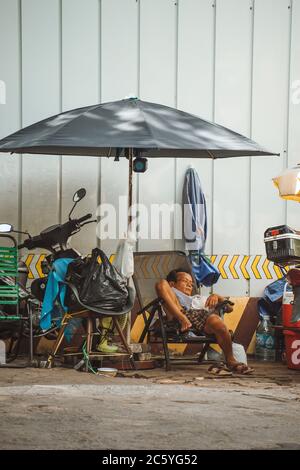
column 215, row 299
column 165, row 292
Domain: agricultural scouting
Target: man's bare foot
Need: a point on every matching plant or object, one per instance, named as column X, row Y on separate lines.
column 185, row 325
column 239, row 368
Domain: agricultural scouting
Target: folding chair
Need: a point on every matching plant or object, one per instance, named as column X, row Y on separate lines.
column 90, row 314
column 150, row 267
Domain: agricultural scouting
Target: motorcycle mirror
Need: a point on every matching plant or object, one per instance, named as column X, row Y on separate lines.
column 79, row 195
column 6, row 228
column 76, row 198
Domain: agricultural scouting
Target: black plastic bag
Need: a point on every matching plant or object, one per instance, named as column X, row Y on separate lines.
column 99, row 285
column 76, row 273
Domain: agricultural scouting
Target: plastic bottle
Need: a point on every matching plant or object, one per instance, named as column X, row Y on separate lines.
column 265, row 340
column 2, row 352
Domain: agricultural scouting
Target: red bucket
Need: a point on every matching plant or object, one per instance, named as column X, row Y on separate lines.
column 287, row 311
column 292, row 348
column 287, row 308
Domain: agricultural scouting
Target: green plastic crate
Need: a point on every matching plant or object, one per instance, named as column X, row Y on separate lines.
column 9, row 294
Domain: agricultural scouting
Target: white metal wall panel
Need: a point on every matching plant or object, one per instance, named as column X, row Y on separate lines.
column 119, row 49
column 157, row 51
column 40, row 99
column 80, row 87
column 196, row 57
column 10, row 118
column 232, row 109
column 293, row 213
column 269, row 118
column 195, row 89
column 80, row 52
column 164, row 51
column 157, row 84
column 119, row 78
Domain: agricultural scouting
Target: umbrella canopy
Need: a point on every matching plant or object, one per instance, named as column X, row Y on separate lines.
column 102, row 129
column 288, row 184
column 194, row 212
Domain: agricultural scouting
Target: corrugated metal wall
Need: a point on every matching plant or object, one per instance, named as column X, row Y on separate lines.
column 231, row 61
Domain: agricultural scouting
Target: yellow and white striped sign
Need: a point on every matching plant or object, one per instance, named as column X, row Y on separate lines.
column 246, row 267
column 230, row 266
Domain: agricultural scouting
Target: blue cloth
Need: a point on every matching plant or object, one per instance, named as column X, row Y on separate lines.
column 271, row 302
column 194, row 212
column 55, row 290
column 205, row 272
column 195, row 229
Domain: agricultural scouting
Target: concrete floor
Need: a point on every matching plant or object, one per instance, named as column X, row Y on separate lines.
column 183, row 409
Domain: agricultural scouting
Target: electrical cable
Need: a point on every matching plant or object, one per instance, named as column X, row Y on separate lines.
column 87, row 359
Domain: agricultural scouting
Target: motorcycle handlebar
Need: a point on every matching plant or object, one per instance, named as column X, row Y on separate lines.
column 84, row 218
column 64, row 232
column 30, row 243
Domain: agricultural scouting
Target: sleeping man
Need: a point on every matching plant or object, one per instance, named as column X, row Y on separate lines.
column 197, row 313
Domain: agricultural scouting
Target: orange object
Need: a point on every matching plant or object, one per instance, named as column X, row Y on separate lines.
column 288, row 183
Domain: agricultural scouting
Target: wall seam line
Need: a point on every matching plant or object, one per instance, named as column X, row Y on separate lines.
column 60, row 106
column 214, row 5
column 99, row 182
column 286, row 159
column 176, row 105
column 250, row 130
column 138, row 94
column 20, row 192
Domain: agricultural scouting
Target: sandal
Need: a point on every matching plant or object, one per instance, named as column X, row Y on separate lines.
column 241, row 368
column 219, row 371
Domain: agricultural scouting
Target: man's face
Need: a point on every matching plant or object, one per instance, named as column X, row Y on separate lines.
column 184, row 283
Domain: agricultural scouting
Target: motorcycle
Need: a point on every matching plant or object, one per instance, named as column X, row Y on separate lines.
column 54, row 239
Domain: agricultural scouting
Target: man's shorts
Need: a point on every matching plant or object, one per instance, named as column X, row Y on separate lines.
column 197, row 318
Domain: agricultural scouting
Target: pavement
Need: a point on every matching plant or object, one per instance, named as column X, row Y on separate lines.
column 186, row 408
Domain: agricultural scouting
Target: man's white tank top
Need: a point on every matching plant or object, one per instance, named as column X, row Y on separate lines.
column 191, row 301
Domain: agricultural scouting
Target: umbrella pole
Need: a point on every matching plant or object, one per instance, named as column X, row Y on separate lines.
column 130, row 175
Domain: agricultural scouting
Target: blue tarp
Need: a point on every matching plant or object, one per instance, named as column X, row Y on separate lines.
column 54, row 301
column 271, row 302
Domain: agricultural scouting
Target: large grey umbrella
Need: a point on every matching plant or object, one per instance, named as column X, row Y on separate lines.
column 133, row 126
column 128, row 127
